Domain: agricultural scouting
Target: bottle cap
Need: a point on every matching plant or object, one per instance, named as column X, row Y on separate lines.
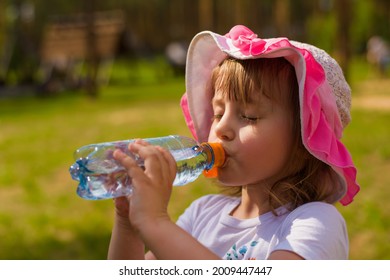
column 219, row 159
column 219, row 154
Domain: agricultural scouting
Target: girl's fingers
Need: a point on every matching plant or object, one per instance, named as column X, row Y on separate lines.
column 123, row 159
column 159, row 164
column 155, row 164
column 170, row 162
column 122, row 206
column 127, row 162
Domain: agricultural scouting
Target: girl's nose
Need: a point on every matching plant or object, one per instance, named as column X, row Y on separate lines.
column 224, row 128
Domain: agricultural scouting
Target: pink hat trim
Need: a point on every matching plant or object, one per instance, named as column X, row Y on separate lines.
column 321, row 125
column 187, row 115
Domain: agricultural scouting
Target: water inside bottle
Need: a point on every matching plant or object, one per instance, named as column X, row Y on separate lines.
column 189, row 165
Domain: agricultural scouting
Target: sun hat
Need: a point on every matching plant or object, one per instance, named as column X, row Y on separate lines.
column 324, row 94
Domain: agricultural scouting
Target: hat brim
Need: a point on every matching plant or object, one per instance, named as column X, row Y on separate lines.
column 321, row 126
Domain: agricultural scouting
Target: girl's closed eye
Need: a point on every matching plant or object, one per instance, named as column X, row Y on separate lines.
column 250, row 119
column 217, row 117
column 251, row 115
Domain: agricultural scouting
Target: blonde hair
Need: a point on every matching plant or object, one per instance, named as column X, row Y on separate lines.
column 305, row 178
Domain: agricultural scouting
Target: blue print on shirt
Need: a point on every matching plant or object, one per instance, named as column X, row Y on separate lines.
column 239, row 254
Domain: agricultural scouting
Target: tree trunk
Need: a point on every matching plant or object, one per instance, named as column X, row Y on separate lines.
column 206, row 15
column 344, row 16
column 282, row 17
column 92, row 61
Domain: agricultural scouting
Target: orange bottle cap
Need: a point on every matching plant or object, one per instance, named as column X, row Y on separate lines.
column 219, row 159
column 212, row 173
column 219, row 154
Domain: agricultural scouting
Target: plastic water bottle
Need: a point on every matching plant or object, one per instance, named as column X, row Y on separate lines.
column 100, row 176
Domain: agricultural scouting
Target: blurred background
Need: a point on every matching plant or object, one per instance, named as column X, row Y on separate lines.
column 79, row 72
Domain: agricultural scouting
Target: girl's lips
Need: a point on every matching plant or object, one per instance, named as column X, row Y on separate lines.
column 225, row 163
column 227, row 156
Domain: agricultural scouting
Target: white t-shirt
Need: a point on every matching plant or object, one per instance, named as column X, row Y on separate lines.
column 314, row 230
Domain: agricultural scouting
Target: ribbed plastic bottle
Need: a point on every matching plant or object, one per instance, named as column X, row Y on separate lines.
column 100, row 176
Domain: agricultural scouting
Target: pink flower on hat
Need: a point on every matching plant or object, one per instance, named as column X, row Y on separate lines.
column 244, row 39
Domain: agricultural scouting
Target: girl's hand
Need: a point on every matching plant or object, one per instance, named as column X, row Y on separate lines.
column 147, row 210
column 122, row 212
column 151, row 186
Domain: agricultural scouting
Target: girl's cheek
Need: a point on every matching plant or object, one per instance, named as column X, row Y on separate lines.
column 212, row 136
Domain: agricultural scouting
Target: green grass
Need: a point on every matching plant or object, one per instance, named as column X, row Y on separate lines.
column 41, row 217
column 368, row 217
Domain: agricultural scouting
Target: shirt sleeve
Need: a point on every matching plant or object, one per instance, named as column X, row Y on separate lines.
column 314, row 231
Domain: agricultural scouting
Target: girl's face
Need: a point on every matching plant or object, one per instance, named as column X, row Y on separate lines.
column 257, row 136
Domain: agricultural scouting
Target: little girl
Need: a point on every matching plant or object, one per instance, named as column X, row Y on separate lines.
column 278, row 108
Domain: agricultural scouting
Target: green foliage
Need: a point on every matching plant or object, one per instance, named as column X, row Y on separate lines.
column 363, row 26
column 326, row 26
